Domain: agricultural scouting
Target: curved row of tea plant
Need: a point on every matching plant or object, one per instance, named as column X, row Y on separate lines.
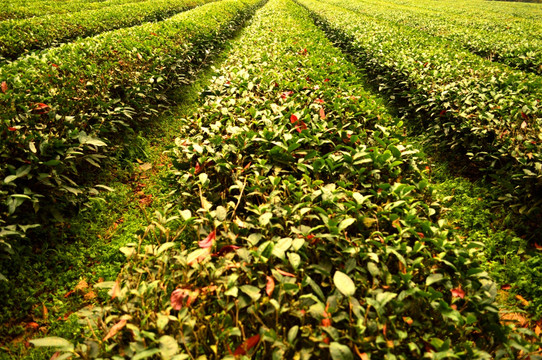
column 497, row 11
column 19, row 36
column 24, row 9
column 58, row 107
column 520, row 48
column 309, row 230
column 464, row 103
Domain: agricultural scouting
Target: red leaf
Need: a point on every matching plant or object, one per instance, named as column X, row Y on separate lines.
column 326, row 322
column 197, row 169
column 300, row 126
column 41, row 108
column 442, row 112
column 54, row 65
column 270, row 286
column 285, row 94
column 284, row 273
column 154, row 34
column 32, row 325
column 293, row 119
column 523, row 115
column 208, row 241
column 225, row 250
column 11, row 128
column 247, row 345
column 326, row 80
column 322, row 114
column 458, row 293
column 319, row 101
column 178, row 296
column 506, row 287
column 4, row 87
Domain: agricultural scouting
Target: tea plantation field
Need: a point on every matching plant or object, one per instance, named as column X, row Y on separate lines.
column 280, row 179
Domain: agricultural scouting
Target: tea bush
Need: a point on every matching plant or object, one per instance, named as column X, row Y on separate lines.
column 483, row 111
column 59, row 108
column 514, row 42
column 20, row 36
column 299, row 226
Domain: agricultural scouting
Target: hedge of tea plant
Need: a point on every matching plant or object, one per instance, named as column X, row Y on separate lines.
column 300, row 226
column 519, row 47
column 20, row 36
column 20, row 9
column 465, row 104
column 58, row 108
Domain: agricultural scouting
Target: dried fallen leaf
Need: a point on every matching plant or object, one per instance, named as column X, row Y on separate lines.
column 90, row 295
column 514, row 318
column 523, row 301
column 145, row 166
column 81, row 286
column 115, row 329
column 32, row 325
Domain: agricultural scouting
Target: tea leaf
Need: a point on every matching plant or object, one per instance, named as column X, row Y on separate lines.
column 344, row 284
column 340, row 352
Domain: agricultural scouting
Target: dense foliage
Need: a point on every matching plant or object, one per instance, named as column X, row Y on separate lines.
column 513, row 41
column 20, row 9
column 308, row 228
column 58, row 108
column 20, row 36
column 465, row 104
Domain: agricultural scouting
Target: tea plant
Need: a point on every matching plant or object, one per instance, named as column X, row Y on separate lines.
column 485, row 112
column 300, row 226
column 62, row 108
column 515, row 43
column 18, row 37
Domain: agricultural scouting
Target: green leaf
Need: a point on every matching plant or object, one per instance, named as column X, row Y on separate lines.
column 53, row 162
column 145, row 354
column 251, row 291
column 344, row 284
column 340, row 352
column 168, row 347
column 53, row 341
column 10, row 178
column 346, row 223
column 292, row 334
column 265, row 218
column 433, row 278
column 221, row 213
